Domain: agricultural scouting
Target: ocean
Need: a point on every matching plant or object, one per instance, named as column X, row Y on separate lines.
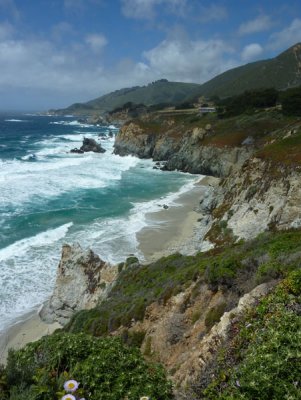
column 49, row 196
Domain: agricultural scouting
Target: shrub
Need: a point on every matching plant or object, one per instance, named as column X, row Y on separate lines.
column 263, row 360
column 106, row 368
column 214, row 315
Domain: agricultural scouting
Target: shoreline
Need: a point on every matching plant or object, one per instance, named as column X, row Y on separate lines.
column 28, row 328
column 173, row 229
column 170, row 230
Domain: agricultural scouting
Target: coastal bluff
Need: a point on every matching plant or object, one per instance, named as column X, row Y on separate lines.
column 181, row 148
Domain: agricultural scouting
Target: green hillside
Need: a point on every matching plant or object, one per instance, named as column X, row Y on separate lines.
column 161, row 91
column 281, row 72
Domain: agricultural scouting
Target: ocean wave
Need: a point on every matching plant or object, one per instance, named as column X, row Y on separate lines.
column 72, row 123
column 19, row 248
column 28, row 270
column 39, row 181
column 16, row 120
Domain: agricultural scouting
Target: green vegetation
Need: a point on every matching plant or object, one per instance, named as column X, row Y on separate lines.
column 247, row 102
column 105, row 368
column 262, row 360
column 157, row 92
column 237, row 267
column 214, row 315
column 280, row 73
column 291, row 102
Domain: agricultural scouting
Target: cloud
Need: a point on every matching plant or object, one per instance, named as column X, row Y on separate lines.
column 259, row 24
column 213, row 13
column 96, row 41
column 61, row 30
column 287, row 37
column 145, row 9
column 251, row 52
column 190, row 61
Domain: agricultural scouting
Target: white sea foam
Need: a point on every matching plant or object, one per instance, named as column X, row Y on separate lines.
column 27, row 273
column 72, row 123
column 16, row 120
column 37, row 182
column 19, row 248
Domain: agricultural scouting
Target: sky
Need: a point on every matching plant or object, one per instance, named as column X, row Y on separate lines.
column 57, row 52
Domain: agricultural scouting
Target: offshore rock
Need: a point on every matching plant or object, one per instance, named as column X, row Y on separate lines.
column 89, row 145
column 82, row 280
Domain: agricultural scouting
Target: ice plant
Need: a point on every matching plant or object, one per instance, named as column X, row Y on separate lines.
column 68, row 397
column 144, row 398
column 71, row 385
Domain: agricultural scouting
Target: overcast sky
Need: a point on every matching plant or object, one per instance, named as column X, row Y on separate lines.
column 57, row 52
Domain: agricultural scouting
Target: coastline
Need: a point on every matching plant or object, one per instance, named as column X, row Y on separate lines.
column 29, row 328
column 171, row 230
column 174, row 229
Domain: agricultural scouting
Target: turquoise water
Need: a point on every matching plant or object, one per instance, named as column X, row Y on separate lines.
column 49, row 196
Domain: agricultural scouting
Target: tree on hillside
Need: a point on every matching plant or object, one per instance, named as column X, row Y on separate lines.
column 291, row 102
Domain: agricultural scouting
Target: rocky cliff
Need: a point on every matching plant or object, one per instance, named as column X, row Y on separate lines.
column 183, row 150
column 260, row 197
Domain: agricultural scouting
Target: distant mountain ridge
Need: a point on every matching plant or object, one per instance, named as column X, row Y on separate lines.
column 161, row 91
column 281, row 72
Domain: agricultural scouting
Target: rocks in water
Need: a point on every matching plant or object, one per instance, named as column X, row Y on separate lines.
column 76, row 150
column 89, row 145
column 82, row 280
column 165, row 206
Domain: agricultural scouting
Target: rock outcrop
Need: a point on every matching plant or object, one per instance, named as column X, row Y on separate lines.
column 177, row 333
column 184, row 152
column 89, row 145
column 82, row 280
column 259, row 197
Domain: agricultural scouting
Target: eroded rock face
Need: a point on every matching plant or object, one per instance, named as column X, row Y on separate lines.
column 82, row 280
column 176, row 333
column 262, row 196
column 184, row 152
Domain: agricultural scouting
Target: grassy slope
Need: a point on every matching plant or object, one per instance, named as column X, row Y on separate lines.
column 154, row 93
column 280, row 72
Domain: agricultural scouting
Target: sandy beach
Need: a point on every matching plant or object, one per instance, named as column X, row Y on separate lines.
column 176, row 229
column 169, row 230
column 28, row 329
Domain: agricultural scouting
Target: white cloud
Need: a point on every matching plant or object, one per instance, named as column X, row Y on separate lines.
column 287, row 37
column 251, row 52
column 96, row 41
column 60, row 30
column 259, row 24
column 145, row 9
column 190, row 61
column 213, row 13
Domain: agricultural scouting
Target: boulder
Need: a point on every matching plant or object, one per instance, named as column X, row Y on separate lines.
column 89, row 145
